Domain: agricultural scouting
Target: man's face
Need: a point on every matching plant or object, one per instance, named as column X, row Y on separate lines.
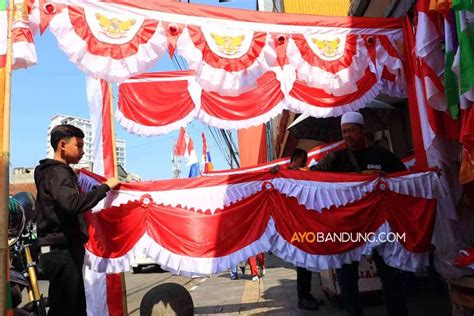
column 299, row 162
column 353, row 135
column 73, row 149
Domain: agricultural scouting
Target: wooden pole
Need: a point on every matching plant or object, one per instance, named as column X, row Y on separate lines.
column 4, row 173
column 123, row 284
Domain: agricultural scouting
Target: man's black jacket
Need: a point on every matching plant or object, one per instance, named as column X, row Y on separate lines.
column 60, row 205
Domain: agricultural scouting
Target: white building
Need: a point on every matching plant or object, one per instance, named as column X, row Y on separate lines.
column 86, row 127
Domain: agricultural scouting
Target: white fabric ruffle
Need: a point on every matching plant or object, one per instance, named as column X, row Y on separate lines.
column 341, row 83
column 107, row 68
column 179, row 264
column 314, row 195
column 200, row 199
column 219, row 80
column 24, row 55
column 424, row 185
column 314, row 110
column 323, row 195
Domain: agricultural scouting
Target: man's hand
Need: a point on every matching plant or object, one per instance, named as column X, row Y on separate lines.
column 274, row 169
column 112, row 182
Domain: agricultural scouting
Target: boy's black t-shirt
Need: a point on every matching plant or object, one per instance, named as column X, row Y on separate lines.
column 370, row 158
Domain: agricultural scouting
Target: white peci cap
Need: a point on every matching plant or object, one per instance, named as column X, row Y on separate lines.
column 352, row 117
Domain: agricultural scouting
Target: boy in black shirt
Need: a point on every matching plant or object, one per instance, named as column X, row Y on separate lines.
column 61, row 228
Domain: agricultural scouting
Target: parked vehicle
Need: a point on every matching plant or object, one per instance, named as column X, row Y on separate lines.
column 23, row 256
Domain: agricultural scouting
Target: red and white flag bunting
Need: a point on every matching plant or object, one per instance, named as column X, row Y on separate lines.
column 226, row 219
column 103, row 290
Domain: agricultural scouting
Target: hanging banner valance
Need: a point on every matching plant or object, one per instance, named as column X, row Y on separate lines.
column 256, row 212
column 157, row 103
column 230, row 50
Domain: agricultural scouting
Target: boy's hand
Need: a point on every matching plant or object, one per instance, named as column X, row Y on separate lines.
column 112, row 182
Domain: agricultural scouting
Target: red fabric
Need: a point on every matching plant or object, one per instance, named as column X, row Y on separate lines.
column 108, row 145
column 254, row 260
column 197, row 235
column 236, row 226
column 22, row 35
column 172, row 37
column 466, row 174
column 45, row 18
column 204, row 145
column 252, row 145
column 409, row 46
column 3, row 61
column 267, row 95
column 332, row 66
column 114, row 294
column 199, row 182
column 180, row 148
column 229, row 64
column 260, row 17
column 281, row 43
column 319, row 97
column 388, row 46
column 465, row 260
column 116, row 51
column 155, row 103
column 467, row 129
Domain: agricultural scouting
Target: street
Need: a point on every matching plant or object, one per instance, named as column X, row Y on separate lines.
column 274, row 294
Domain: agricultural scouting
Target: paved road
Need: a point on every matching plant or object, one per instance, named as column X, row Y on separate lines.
column 275, row 294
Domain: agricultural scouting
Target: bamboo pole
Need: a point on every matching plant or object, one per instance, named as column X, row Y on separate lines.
column 5, row 183
column 123, row 284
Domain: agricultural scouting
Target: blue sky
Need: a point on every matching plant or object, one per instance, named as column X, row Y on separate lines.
column 56, row 86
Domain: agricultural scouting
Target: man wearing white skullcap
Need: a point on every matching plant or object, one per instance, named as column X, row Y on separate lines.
column 361, row 157
column 352, row 117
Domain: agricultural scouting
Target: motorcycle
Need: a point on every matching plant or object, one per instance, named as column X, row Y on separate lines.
column 23, row 252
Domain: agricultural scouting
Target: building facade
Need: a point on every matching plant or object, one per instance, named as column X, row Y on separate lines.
column 86, row 126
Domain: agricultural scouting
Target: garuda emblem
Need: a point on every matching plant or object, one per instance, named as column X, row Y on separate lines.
column 19, row 12
column 113, row 27
column 327, row 48
column 228, row 45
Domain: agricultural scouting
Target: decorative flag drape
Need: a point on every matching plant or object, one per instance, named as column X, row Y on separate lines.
column 432, row 131
column 213, row 223
column 185, row 148
column 206, row 156
column 156, row 103
column 24, row 51
column 231, row 50
column 103, row 291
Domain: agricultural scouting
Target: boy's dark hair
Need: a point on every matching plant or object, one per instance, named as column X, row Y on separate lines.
column 298, row 153
column 64, row 131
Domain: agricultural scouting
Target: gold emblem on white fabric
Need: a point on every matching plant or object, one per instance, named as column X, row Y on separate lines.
column 228, row 45
column 114, row 27
column 327, row 48
column 20, row 13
